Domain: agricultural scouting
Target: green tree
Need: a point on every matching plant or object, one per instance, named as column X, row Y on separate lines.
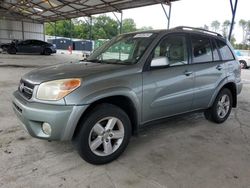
column 104, row 27
column 206, row 27
column 215, row 25
column 225, row 28
column 247, row 33
column 128, row 25
column 243, row 25
column 145, row 28
column 81, row 30
column 63, row 28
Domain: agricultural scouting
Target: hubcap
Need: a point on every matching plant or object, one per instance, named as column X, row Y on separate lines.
column 106, row 136
column 223, row 106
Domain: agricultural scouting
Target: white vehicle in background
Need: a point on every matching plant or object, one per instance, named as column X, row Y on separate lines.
column 244, row 58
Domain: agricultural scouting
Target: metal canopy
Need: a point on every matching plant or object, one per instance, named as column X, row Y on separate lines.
column 54, row 10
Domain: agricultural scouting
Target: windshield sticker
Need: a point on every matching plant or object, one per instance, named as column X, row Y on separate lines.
column 143, row 35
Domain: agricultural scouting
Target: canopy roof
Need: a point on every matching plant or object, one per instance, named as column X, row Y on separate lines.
column 53, row 10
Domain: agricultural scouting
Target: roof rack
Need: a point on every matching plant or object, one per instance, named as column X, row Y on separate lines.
column 198, row 29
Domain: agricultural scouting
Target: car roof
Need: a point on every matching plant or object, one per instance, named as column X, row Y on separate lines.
column 184, row 29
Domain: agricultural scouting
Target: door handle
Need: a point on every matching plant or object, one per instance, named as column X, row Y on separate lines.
column 188, row 73
column 219, row 67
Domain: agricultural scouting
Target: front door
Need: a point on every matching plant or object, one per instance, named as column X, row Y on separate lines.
column 168, row 90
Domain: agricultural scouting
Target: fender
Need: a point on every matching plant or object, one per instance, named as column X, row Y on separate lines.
column 115, row 91
column 135, row 98
column 225, row 81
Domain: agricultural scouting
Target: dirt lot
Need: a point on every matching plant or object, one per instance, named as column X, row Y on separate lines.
column 183, row 152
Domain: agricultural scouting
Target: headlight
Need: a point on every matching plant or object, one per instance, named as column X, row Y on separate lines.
column 57, row 89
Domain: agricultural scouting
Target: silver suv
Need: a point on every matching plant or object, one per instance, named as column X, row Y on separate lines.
column 132, row 80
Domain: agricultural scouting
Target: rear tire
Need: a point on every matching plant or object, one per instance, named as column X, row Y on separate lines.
column 221, row 108
column 104, row 134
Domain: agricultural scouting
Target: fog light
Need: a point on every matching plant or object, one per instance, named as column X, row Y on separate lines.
column 46, row 128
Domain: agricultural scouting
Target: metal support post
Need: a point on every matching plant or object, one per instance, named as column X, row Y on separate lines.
column 168, row 15
column 22, row 30
column 70, row 31
column 90, row 28
column 55, row 29
column 233, row 9
column 44, row 32
column 119, row 21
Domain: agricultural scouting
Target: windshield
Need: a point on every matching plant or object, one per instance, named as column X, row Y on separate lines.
column 123, row 49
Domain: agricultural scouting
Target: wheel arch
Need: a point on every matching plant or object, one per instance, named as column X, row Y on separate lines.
column 11, row 47
column 47, row 48
column 123, row 102
column 232, row 87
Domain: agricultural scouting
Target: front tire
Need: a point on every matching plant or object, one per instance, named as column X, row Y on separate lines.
column 221, row 107
column 104, row 134
column 11, row 50
column 47, row 51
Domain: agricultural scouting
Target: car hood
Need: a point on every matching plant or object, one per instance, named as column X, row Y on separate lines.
column 70, row 70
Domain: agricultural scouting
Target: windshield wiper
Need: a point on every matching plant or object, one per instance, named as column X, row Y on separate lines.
column 94, row 60
column 117, row 61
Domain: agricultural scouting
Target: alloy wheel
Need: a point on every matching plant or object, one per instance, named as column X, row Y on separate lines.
column 106, row 136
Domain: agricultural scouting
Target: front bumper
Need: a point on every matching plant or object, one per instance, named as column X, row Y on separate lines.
column 63, row 119
column 53, row 50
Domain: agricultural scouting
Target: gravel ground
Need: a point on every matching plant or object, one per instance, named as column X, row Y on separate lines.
column 187, row 151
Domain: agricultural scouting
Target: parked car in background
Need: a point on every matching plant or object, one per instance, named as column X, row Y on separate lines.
column 244, row 58
column 29, row 46
column 127, row 83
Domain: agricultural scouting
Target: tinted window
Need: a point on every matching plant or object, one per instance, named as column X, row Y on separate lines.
column 215, row 52
column 174, row 48
column 26, row 42
column 225, row 51
column 37, row 42
column 201, row 49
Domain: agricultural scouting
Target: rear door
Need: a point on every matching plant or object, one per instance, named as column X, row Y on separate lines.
column 25, row 46
column 208, row 68
column 168, row 90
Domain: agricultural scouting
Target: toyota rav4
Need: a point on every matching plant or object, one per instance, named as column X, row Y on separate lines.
column 132, row 80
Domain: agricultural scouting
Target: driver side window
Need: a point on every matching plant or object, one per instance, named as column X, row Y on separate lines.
column 174, row 48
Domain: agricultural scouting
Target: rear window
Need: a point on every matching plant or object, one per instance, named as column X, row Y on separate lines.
column 202, row 51
column 225, row 51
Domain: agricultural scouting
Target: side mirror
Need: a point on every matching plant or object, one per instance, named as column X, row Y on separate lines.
column 160, row 62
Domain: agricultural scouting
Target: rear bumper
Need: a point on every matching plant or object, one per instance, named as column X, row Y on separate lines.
column 63, row 119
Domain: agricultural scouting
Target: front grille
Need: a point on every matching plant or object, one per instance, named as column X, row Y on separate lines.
column 26, row 89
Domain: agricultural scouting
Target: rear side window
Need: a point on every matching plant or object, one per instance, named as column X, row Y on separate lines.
column 201, row 47
column 225, row 51
column 215, row 52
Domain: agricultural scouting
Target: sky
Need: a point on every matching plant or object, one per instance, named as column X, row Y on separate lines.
column 195, row 13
